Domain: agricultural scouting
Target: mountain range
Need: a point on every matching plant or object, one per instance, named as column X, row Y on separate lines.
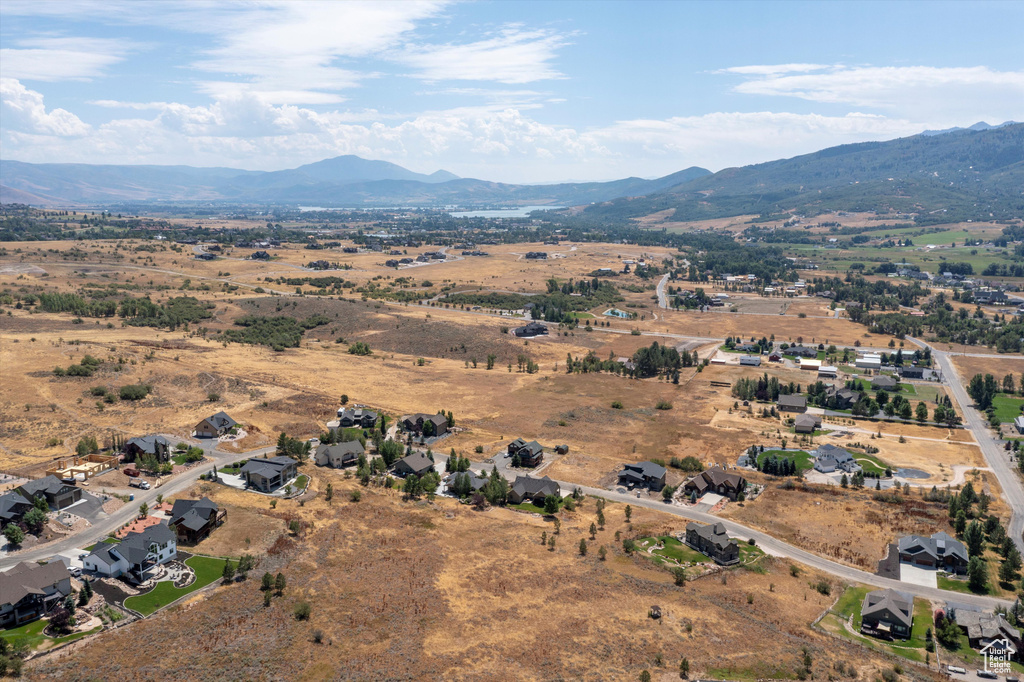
column 958, row 174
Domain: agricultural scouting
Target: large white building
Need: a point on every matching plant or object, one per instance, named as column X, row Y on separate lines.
column 869, row 361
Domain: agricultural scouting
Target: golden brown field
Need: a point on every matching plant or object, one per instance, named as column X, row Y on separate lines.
column 418, row 590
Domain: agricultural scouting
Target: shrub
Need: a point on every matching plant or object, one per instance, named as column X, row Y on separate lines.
column 355, row 496
column 302, row 610
column 135, row 391
column 213, row 397
column 663, row 405
column 479, row 449
column 616, row 405
column 823, row 587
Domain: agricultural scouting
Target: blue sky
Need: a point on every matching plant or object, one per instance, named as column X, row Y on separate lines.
column 509, row 91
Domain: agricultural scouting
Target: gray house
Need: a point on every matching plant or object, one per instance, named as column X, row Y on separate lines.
column 529, row 489
column 268, row 474
column 939, row 551
column 883, row 382
column 806, row 423
column 830, row 458
column 713, row 541
column 645, row 474
column 152, row 445
column 348, row 418
column 30, row 590
column 415, row 464
column 339, row 455
column 887, row 614
column 57, row 494
column 12, row 508
column 530, row 453
column 792, row 403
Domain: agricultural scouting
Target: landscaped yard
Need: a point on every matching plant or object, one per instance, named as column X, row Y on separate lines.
column 31, row 635
column 230, row 470
column 1007, row 408
column 300, row 482
column 673, row 549
column 531, row 507
column 849, row 604
column 109, row 541
column 208, row 570
column 872, row 465
column 803, row 459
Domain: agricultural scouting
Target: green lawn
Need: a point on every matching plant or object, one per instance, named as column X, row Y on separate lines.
column 109, row 541
column 31, row 635
column 873, row 465
column 1007, row 408
column 952, row 585
column 921, row 391
column 803, row 459
column 531, row 507
column 208, row 570
column 849, row 604
column 300, row 482
column 229, row 470
column 673, row 549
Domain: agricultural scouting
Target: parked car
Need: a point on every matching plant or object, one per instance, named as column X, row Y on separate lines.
column 986, row 674
column 956, row 669
column 75, row 571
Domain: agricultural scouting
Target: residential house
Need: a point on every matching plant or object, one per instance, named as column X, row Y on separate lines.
column 268, row 474
column 348, row 418
column 938, row 551
column 911, row 372
column 529, row 489
column 58, row 494
column 530, row 454
column 792, row 403
column 775, row 356
column 801, row 352
column 30, row 590
column 534, row 255
column 214, row 426
column 713, row 541
column 829, row 458
column 750, row 360
column 193, row 520
column 531, row 329
column 137, row 557
column 888, row 614
column 841, row 398
column 716, row 480
column 259, row 255
column 152, row 445
column 646, row 474
column 883, row 382
column 416, row 464
column 869, row 361
column 339, row 455
column 414, row 422
column 806, row 423
column 206, row 256
column 983, row 629
column 13, row 508
column 476, row 481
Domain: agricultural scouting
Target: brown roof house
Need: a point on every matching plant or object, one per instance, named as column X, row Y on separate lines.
column 643, row 474
column 529, row 489
column 792, row 403
column 806, row 423
column 339, row 455
column 29, row 590
column 887, row 614
column 716, row 480
column 713, row 541
column 415, row 464
column 215, row 425
column 414, row 423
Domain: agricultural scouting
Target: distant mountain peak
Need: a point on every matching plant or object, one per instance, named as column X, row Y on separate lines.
column 979, row 126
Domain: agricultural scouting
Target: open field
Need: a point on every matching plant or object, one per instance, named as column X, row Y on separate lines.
column 363, row 569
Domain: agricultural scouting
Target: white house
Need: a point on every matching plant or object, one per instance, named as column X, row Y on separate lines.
column 869, row 361
column 137, row 556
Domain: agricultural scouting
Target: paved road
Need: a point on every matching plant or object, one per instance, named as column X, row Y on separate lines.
column 102, row 529
column 662, row 296
column 997, row 458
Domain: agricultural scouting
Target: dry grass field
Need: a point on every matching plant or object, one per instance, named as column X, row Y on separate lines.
column 403, row 590
column 998, row 366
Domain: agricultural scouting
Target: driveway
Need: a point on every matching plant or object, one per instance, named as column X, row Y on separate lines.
column 915, row 575
column 90, row 507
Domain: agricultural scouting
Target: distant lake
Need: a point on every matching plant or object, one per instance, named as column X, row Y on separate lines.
column 520, row 212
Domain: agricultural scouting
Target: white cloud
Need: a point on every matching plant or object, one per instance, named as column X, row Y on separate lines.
column 513, row 56
column 62, row 58
column 772, row 69
column 963, row 94
column 23, row 110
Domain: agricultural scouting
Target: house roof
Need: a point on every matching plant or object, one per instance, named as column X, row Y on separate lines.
column 833, row 452
column 416, row 462
column 883, row 382
column 352, row 448
column 985, row 625
column 715, row 533
column 528, row 485
column 898, row 604
column 267, row 467
column 938, row 546
column 12, row 504
column 476, row 482
column 30, row 578
column 792, row 400
column 135, row 547
column 193, row 514
column 48, row 484
column 807, row 420
column 717, row 476
column 533, row 447
column 646, row 469
column 221, row 420
column 148, row 444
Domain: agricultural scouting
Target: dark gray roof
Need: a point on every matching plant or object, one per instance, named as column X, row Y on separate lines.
column 12, row 504
column 193, row 514
column 899, row 604
column 135, row 546
column 221, row 420
column 102, row 552
column 149, row 443
column 266, row 467
column 48, row 484
column 416, row 462
column 30, row 578
column 939, row 545
column 792, row 400
column 714, row 533
column 647, row 469
column 528, row 485
column 883, row 382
